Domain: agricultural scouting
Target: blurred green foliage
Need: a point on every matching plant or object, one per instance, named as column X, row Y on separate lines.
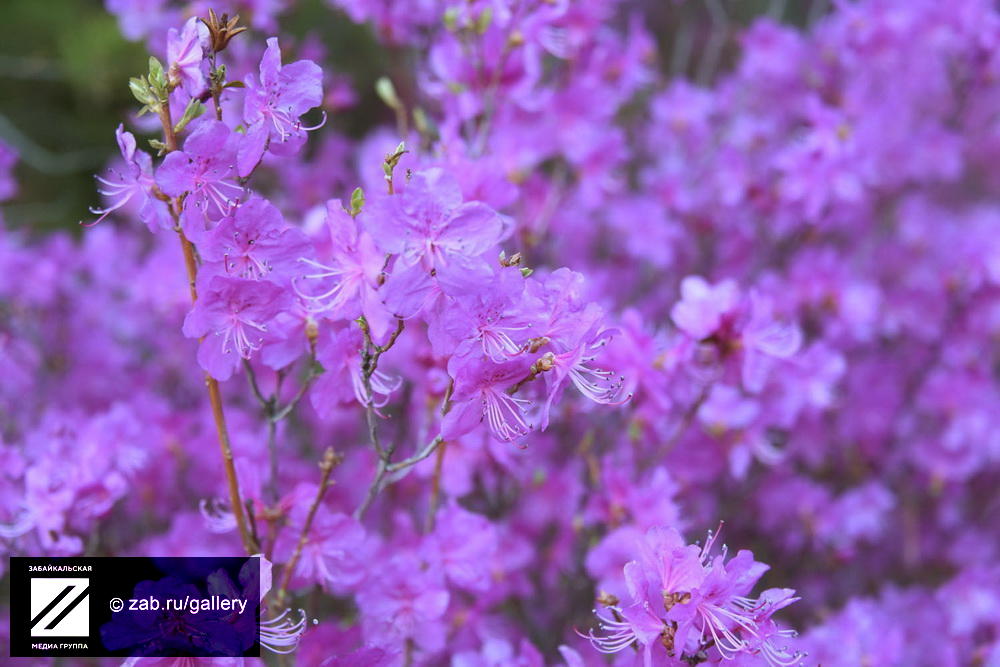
column 64, row 70
column 61, row 66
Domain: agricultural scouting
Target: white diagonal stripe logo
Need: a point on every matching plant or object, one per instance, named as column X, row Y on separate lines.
column 60, row 607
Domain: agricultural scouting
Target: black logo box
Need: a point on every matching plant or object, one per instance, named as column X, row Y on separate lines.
column 110, row 577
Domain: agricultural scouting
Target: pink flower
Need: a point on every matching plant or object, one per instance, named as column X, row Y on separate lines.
column 481, row 395
column 185, row 57
column 436, row 236
column 254, row 242
column 232, row 316
column 274, row 104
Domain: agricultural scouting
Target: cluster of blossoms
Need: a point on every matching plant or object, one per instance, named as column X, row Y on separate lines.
column 564, row 312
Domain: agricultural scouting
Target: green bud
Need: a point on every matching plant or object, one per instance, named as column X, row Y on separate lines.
column 525, row 271
column 392, row 159
column 194, row 109
column 484, row 20
column 451, row 19
column 357, row 201
column 158, row 80
column 387, row 93
column 423, row 123
column 156, row 72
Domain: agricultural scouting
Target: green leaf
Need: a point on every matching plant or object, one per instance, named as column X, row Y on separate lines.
column 357, row 201
column 140, row 90
column 158, row 146
column 194, row 109
column 157, row 77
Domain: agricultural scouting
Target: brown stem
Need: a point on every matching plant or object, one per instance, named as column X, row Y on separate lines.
column 219, row 417
column 436, row 487
column 329, row 462
column 169, row 136
column 214, row 394
column 370, row 356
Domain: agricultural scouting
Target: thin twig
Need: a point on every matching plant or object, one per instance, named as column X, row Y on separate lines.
column 436, row 487
column 267, row 403
column 373, row 489
column 370, row 355
column 287, row 410
column 330, row 461
column 255, row 386
column 416, row 458
column 384, row 468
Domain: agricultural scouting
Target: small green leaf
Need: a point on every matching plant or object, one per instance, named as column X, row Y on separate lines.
column 140, row 90
column 357, row 201
column 525, row 271
column 157, row 78
column 156, row 72
column 194, row 109
column 158, row 146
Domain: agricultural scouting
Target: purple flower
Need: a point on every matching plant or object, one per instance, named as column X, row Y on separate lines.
column 352, row 262
column 134, row 182
column 462, row 546
column 485, row 320
column 254, row 242
column 337, row 550
column 404, row 602
column 436, row 236
column 184, row 56
column 684, row 601
column 702, row 306
column 205, row 172
column 273, row 105
column 343, row 382
column 232, row 316
column 737, row 328
column 481, row 394
column 572, row 361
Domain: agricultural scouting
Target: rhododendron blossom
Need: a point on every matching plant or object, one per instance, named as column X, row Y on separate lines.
column 473, row 320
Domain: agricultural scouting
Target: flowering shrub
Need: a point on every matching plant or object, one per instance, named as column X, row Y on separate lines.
column 562, row 319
